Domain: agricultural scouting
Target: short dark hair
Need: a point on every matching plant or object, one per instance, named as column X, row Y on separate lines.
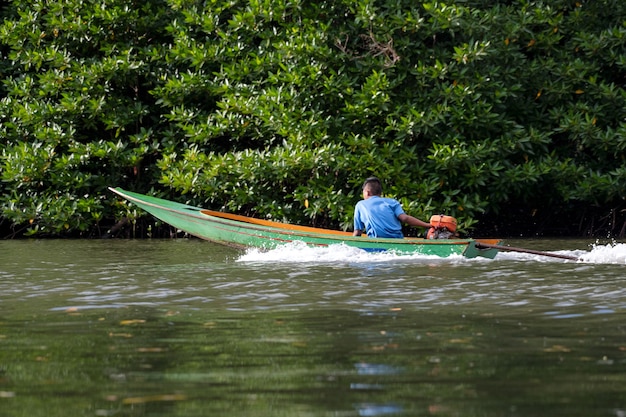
column 374, row 184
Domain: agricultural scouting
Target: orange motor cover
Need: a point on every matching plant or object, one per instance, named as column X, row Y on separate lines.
column 439, row 220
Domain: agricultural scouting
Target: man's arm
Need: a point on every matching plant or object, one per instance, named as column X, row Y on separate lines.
column 412, row 221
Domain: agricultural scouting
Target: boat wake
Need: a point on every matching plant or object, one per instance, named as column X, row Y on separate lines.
column 298, row 252
column 612, row 253
column 609, row 253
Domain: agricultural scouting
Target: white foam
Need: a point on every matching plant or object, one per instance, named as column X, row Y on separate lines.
column 611, row 253
column 299, row 252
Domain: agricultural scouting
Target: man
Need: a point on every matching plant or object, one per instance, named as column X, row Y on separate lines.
column 379, row 216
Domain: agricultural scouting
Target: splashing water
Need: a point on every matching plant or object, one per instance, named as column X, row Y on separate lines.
column 299, row 252
column 612, row 253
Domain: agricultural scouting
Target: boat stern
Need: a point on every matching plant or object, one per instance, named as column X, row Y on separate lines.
column 472, row 251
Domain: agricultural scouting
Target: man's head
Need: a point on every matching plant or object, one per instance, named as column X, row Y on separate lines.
column 371, row 187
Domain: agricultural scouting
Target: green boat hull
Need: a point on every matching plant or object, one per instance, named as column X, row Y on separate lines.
column 242, row 232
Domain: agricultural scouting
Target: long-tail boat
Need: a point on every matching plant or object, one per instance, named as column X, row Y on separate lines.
column 244, row 232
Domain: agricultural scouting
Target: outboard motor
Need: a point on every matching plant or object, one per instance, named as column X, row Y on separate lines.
column 442, row 227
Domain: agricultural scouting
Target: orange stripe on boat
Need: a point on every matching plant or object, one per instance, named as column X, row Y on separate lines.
column 269, row 223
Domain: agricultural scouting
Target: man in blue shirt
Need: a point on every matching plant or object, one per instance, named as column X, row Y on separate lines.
column 379, row 216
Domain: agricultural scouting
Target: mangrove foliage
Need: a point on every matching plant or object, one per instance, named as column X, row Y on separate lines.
column 509, row 115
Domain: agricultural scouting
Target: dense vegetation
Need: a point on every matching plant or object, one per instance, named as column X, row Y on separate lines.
column 506, row 114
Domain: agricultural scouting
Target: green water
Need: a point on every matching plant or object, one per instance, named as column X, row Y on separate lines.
column 188, row 328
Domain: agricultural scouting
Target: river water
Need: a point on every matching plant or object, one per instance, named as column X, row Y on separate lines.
column 188, row 328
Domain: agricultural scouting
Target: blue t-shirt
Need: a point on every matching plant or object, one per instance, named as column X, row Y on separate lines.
column 378, row 216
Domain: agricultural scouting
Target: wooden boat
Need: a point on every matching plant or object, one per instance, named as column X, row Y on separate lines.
column 243, row 232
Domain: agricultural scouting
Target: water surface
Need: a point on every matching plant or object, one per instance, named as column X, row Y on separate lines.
column 189, row 328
